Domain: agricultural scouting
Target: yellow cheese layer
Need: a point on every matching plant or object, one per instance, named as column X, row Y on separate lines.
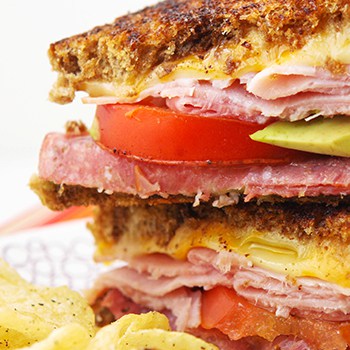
column 324, row 258
column 329, row 49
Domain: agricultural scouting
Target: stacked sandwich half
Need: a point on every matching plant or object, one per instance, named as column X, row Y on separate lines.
column 218, row 165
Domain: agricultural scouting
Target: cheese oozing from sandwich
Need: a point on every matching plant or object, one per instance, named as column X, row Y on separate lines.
column 317, row 52
column 307, row 255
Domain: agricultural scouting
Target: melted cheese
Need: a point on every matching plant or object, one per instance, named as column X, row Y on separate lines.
column 317, row 52
column 326, row 259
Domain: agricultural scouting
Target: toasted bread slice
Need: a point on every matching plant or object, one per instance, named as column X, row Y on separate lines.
column 289, row 238
column 202, row 39
column 300, row 235
column 62, row 196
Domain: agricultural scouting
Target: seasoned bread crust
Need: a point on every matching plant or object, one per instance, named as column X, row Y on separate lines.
column 133, row 45
column 61, row 196
column 118, row 214
column 121, row 232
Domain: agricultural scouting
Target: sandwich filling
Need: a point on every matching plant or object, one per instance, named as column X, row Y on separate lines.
column 207, row 40
column 212, row 264
column 240, row 239
column 277, row 92
column 78, row 160
column 212, row 268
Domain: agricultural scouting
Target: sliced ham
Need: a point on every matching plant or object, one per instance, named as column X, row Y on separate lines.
column 235, row 100
column 305, row 297
column 185, row 306
column 157, row 276
column 289, row 343
column 282, row 81
column 315, row 302
column 119, row 305
column 285, row 92
column 128, row 280
column 78, row 160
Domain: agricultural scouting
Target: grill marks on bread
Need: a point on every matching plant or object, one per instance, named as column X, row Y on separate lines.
column 133, row 45
column 117, row 214
column 292, row 220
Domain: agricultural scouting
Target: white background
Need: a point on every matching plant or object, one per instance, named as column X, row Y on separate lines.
column 27, row 28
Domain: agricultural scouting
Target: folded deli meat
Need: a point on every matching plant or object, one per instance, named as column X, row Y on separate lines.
column 218, row 164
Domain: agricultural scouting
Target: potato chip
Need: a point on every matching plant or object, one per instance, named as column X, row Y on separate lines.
column 29, row 313
column 10, row 339
column 70, row 337
column 159, row 339
column 41, row 318
column 145, row 331
column 129, row 323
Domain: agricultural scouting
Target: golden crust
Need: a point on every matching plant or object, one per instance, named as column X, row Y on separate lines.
column 60, row 197
column 303, row 238
column 133, row 45
column 310, row 239
column 314, row 221
column 309, row 217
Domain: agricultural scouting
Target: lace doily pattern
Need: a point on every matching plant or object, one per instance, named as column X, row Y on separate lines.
column 53, row 258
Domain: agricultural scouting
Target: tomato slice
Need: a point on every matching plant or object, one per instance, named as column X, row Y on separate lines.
column 159, row 134
column 234, row 316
